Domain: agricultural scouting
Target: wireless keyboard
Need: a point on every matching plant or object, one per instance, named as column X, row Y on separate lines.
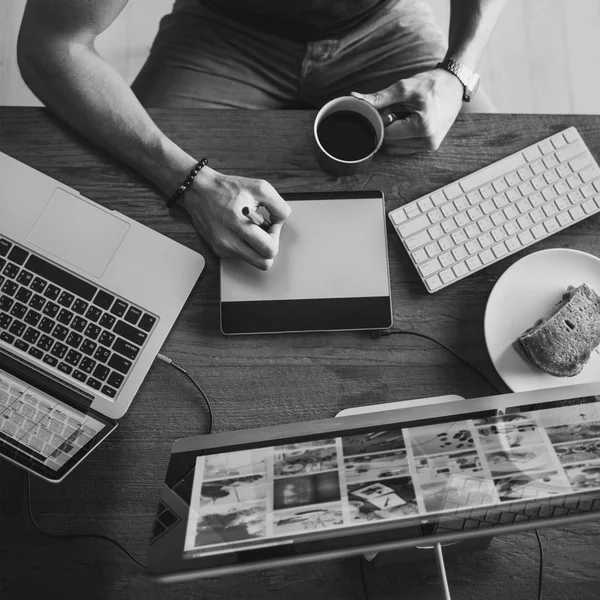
column 500, row 209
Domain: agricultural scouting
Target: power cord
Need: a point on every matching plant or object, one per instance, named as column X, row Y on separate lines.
column 378, row 334
column 169, row 361
column 101, row 536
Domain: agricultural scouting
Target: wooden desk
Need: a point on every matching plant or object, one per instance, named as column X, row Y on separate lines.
column 259, row 380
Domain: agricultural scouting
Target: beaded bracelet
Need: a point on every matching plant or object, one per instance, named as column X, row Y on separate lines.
column 186, row 184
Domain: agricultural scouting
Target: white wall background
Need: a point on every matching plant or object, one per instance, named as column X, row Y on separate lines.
column 544, row 56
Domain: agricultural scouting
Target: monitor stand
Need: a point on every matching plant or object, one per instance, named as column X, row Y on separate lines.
column 420, row 552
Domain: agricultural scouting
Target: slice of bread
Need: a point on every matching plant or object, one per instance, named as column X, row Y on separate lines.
column 562, row 343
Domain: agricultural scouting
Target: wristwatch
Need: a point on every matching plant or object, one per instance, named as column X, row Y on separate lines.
column 468, row 78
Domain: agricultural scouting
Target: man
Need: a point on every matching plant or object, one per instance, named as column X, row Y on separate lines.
column 253, row 54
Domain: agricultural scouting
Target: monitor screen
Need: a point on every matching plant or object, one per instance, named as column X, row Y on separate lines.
column 276, row 495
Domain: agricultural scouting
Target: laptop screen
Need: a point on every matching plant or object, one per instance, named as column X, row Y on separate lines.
column 393, row 481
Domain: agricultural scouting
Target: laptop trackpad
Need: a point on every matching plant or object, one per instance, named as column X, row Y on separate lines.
column 78, row 233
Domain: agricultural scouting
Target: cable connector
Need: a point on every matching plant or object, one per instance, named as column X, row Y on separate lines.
column 164, row 359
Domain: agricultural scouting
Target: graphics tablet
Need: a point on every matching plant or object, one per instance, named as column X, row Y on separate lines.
column 331, row 272
column 276, row 496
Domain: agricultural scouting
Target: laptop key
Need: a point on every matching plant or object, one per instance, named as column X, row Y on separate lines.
column 24, row 277
column 37, row 302
column 36, row 352
column 65, row 368
column 101, row 354
column 119, row 363
column 92, row 331
column 147, row 322
column 60, row 332
column 5, row 321
column 106, row 338
column 66, row 299
column 10, row 287
column 52, row 292
column 130, row 333
column 126, row 349
column 87, row 365
column 79, row 375
column 46, row 324
column 45, row 343
column 31, row 335
column 11, row 270
column 38, row 285
column 50, row 309
column 93, row 313
column 5, row 246
column 6, row 302
column 18, row 255
column 60, row 277
column 74, row 339
column 94, row 383
column 64, row 316
column 88, row 347
column 119, row 308
column 59, row 350
column 101, row 372
column 115, row 379
column 103, row 299
column 108, row 391
column 50, row 360
column 133, row 315
column 21, row 345
column 18, row 310
column 32, row 317
column 79, row 324
column 23, row 295
column 73, row 357
column 79, row 306
column 107, row 320
column 17, row 328
column 6, row 337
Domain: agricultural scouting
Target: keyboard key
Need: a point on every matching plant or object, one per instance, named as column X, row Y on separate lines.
column 577, row 213
column 24, row 277
column 79, row 375
column 23, row 295
column 473, row 262
column 73, row 357
column 64, row 316
column 564, row 219
column 88, row 347
column 532, row 153
column 449, row 209
column 406, row 230
column 94, row 383
column 412, row 210
column 416, row 241
column 5, row 321
column 447, row 276
column 433, row 249
column 101, row 372
column 425, row 204
column 589, row 207
column 418, row 256
column 50, row 360
column 398, row 216
column 52, row 292
column 60, row 277
column 7, row 337
column 65, row 368
column 116, row 379
column 449, row 226
column 9, row 288
column 59, row 350
column 102, row 354
column 36, row 353
column 51, row 309
column 459, row 253
column 79, row 324
column 74, row 339
column 87, row 365
column 134, row 335
column 108, row 391
column 446, row 259
column 460, row 269
column 487, row 191
column 120, row 363
column 17, row 328
column 31, row 335
column 427, row 269
column 435, row 232
column 18, row 310
column 5, row 246
column 6, row 302
column 93, row 314
column 526, row 237
column 107, row 320
column 103, row 299
column 499, row 250
column 18, row 255
column 79, row 306
column 92, row 331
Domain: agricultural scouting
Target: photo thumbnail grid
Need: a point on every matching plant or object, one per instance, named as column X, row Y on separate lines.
column 256, row 498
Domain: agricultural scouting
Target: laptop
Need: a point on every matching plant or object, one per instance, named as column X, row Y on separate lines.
column 87, row 298
column 291, row 494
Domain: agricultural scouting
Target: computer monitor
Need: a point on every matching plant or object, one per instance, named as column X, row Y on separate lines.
column 276, row 496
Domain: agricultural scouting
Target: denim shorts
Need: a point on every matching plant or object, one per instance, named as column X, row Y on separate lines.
column 202, row 59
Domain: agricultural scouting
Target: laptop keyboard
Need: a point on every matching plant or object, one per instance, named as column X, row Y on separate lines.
column 67, row 323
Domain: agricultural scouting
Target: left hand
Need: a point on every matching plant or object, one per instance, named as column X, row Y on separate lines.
column 432, row 100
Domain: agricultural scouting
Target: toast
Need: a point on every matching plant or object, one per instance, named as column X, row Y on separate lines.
column 561, row 344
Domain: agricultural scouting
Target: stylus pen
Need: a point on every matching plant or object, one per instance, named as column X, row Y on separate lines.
column 256, row 218
column 439, row 559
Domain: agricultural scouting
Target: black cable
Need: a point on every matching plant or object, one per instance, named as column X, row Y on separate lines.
column 541, row 573
column 74, row 535
column 426, row 337
column 363, row 578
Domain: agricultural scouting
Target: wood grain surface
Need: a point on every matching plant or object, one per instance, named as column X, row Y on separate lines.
column 276, row 379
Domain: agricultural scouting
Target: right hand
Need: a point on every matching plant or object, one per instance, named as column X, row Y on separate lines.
column 215, row 201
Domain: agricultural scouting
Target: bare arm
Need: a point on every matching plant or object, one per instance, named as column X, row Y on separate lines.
column 59, row 62
column 471, row 25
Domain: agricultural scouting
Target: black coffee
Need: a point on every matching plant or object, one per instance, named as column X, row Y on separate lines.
column 347, row 135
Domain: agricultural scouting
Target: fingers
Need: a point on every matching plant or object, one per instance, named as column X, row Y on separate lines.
column 410, row 127
column 267, row 196
column 395, row 94
column 238, row 248
column 264, row 243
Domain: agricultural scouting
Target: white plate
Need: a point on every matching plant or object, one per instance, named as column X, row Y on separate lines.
column 526, row 292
